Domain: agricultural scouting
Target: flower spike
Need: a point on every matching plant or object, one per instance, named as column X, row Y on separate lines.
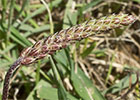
column 64, row 38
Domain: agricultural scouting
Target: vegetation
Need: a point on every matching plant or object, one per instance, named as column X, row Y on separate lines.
column 101, row 67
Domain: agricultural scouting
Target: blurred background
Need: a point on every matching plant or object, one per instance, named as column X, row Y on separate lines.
column 102, row 67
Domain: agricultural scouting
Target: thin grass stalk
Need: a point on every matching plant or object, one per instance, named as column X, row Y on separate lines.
column 62, row 39
column 50, row 16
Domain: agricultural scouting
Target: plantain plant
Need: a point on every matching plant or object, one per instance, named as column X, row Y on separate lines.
column 64, row 38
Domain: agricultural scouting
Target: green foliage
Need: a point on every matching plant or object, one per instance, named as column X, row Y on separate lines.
column 124, row 83
column 88, row 50
column 137, row 1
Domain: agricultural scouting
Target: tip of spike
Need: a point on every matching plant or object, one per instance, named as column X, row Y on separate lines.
column 128, row 19
column 132, row 19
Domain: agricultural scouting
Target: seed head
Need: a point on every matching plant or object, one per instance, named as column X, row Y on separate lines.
column 68, row 36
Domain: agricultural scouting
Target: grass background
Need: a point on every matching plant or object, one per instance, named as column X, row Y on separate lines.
column 102, row 67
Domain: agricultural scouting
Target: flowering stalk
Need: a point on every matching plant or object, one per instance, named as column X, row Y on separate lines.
column 66, row 37
column 8, row 76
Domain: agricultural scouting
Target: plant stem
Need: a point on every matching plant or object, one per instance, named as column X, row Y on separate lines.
column 9, row 74
column 50, row 16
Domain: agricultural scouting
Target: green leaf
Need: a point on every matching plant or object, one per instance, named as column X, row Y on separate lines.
column 36, row 30
column 88, row 50
column 61, row 90
column 55, row 3
column 84, row 86
column 44, row 90
column 62, row 93
column 26, row 27
column 137, row 1
column 37, row 88
column 62, row 58
column 124, row 83
column 48, row 93
column 99, row 53
column 21, row 10
column 19, row 38
column 89, row 5
column 70, row 17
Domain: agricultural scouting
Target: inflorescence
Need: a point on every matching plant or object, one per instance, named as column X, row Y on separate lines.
column 68, row 36
column 64, row 38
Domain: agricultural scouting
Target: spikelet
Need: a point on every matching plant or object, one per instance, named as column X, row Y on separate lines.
column 68, row 36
